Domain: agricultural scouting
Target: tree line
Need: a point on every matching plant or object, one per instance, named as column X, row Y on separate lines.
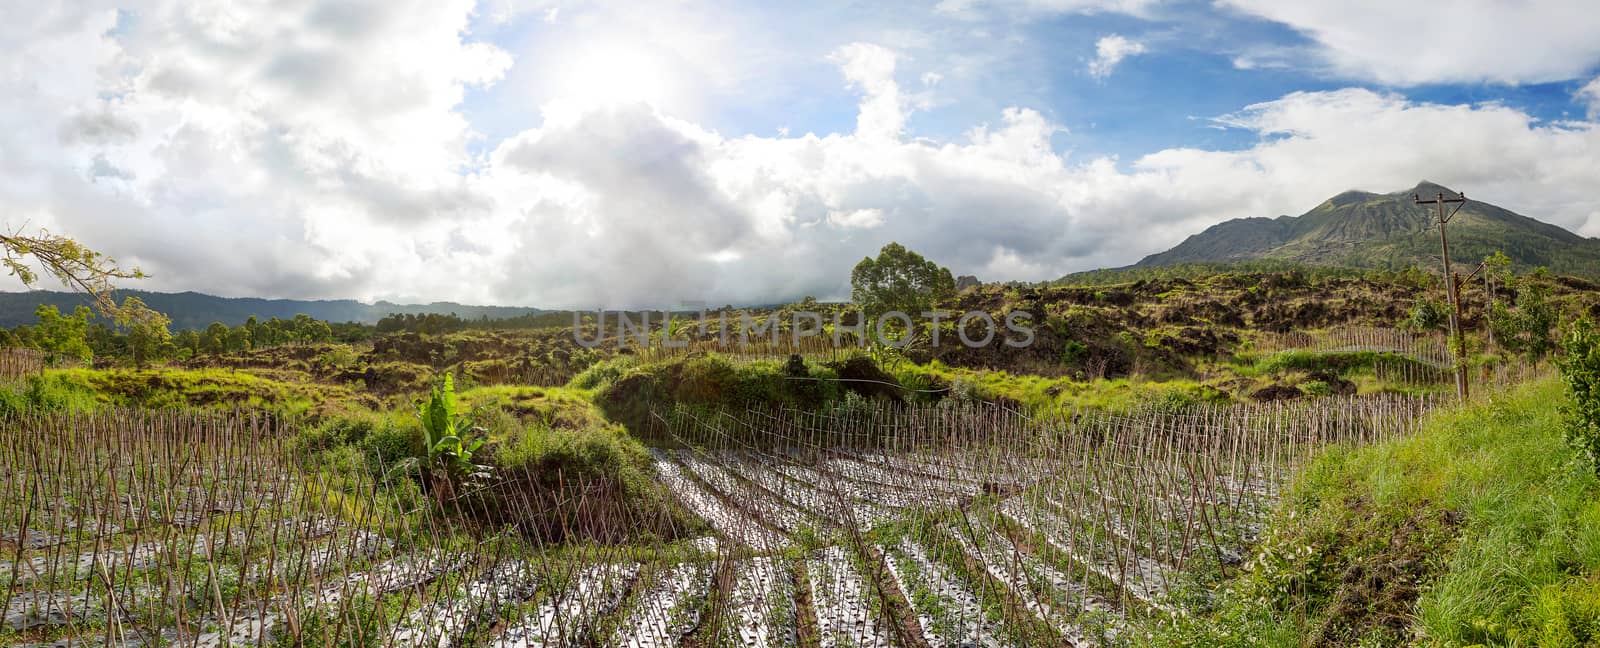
column 142, row 336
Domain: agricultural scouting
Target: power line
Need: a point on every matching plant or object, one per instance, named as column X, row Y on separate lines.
column 1452, row 287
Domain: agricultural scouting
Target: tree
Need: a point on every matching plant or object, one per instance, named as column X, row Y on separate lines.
column 214, row 340
column 1580, row 370
column 148, row 337
column 238, row 339
column 899, row 280
column 187, row 343
column 1525, row 329
column 74, row 265
column 62, row 336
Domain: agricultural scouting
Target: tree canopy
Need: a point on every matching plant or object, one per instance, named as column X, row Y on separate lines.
column 899, row 280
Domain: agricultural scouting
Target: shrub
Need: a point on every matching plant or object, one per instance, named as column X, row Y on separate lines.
column 1525, row 329
column 392, row 444
column 1072, row 351
column 45, row 394
column 1580, row 369
column 602, row 374
column 1428, row 314
column 1316, row 388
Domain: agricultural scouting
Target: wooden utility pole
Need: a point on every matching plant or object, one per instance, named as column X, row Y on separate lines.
column 1451, row 286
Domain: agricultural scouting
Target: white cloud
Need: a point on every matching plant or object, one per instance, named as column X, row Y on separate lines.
column 856, row 218
column 1411, row 43
column 1590, row 94
column 870, row 68
column 1111, row 50
column 973, row 8
column 241, row 152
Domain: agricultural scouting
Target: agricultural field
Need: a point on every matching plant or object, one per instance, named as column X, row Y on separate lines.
column 883, row 525
column 794, row 495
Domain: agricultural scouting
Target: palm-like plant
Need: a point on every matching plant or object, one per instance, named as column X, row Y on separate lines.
column 450, row 440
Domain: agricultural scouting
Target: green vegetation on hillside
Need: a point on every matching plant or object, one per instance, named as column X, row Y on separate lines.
column 1480, row 530
column 1360, row 229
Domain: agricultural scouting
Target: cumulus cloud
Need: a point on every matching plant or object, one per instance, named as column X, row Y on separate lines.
column 249, row 152
column 1590, row 94
column 1111, row 50
column 870, row 68
column 1411, row 43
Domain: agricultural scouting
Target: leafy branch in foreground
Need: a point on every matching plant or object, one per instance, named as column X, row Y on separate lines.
column 75, row 265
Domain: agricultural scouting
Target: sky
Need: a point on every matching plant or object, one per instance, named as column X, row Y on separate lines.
column 680, row 153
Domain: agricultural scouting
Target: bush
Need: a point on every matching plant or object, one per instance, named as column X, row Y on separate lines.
column 602, row 374
column 1428, row 314
column 1316, row 388
column 392, row 444
column 45, row 394
column 1525, row 329
column 1580, row 369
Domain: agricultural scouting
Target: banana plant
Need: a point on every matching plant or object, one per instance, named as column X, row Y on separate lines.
column 450, row 441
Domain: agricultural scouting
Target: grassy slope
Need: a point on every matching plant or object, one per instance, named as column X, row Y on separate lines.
column 1481, row 530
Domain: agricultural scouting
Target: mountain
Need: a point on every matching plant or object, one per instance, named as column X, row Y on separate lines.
column 1368, row 230
column 192, row 310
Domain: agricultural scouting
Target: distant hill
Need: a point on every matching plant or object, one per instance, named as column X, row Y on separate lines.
column 191, row 310
column 1368, row 230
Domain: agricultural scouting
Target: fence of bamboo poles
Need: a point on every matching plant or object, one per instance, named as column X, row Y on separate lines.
column 1125, row 501
column 18, row 363
column 182, row 528
column 206, row 529
column 1431, row 348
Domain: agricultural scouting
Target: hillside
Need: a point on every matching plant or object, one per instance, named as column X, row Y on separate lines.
column 192, row 310
column 1389, row 231
column 1478, row 531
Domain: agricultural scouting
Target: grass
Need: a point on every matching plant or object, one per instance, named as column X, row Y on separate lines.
column 215, row 388
column 1035, row 391
column 1339, row 362
column 1480, row 530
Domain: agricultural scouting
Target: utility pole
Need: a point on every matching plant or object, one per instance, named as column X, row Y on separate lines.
column 1450, row 286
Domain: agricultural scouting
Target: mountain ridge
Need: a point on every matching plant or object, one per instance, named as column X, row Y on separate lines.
column 1363, row 229
column 194, row 310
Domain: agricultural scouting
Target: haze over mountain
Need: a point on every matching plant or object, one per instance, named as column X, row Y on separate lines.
column 1362, row 229
column 192, row 310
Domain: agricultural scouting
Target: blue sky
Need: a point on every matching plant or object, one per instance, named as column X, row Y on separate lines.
column 1164, row 97
column 622, row 154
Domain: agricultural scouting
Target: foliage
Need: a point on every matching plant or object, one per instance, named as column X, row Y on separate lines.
column 69, row 261
column 706, row 380
column 62, row 336
column 208, row 388
column 1428, row 314
column 899, row 280
column 1197, row 271
column 1474, row 531
column 1527, row 328
column 1336, row 362
column 40, row 395
column 148, row 337
column 450, row 440
column 1498, row 268
column 1580, row 369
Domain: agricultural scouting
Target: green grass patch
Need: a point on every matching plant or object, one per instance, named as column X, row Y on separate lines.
column 206, row 388
column 1045, row 392
column 1480, row 530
